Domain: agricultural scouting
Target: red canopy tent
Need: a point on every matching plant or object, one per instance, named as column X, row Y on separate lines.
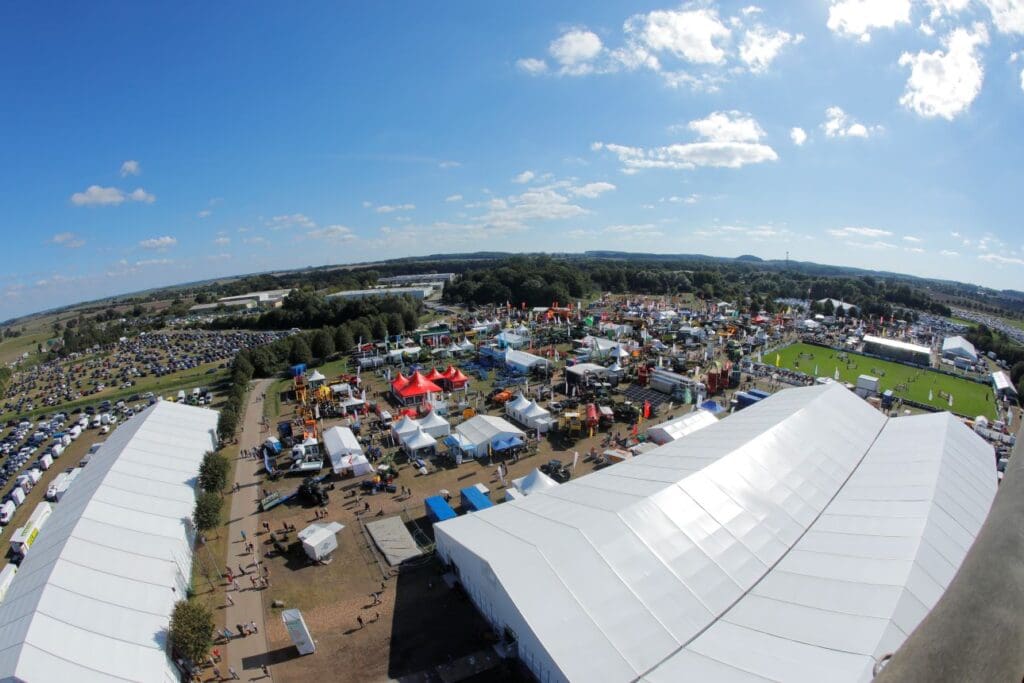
column 417, row 389
column 455, row 378
column 434, row 375
column 399, row 383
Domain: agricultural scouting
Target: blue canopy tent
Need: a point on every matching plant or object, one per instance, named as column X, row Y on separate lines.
column 504, row 444
column 438, row 509
column 712, row 407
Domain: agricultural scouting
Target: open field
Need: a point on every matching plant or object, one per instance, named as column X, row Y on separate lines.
column 969, row 398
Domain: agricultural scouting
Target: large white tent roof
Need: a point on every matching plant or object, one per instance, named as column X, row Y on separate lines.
column 93, row 599
column 483, row 429
column 681, row 426
column 800, row 539
column 959, row 346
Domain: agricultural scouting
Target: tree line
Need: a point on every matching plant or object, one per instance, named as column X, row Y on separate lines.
column 305, row 309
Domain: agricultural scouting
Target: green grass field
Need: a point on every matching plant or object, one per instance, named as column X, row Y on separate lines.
column 969, row 398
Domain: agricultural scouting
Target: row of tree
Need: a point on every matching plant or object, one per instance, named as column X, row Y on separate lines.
column 305, row 309
column 542, row 280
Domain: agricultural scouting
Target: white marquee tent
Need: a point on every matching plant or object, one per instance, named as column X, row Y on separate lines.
column 482, row 431
column 801, row 539
column 435, row 425
column 344, row 450
column 93, row 600
column 418, row 441
column 515, row 407
column 534, row 482
column 536, row 417
column 680, row 427
column 404, row 427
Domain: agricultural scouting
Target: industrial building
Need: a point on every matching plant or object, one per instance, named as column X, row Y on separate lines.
column 801, row 539
column 418, row 293
column 901, row 351
column 417, row 279
column 271, row 298
column 93, row 600
column 954, row 348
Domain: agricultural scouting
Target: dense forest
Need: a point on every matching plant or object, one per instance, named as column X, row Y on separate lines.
column 542, row 280
column 306, row 309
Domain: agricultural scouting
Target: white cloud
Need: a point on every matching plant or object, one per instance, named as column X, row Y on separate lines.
column 333, row 233
column 257, row 239
column 291, row 220
column 945, row 83
column 1022, row 79
column 1007, row 15
column 731, row 140
column 392, row 208
column 727, row 126
column 859, row 17
column 941, row 8
column 205, row 213
column 222, row 241
column 838, row 124
column 524, row 177
column 911, row 238
column 95, row 195
column 154, row 262
column 453, row 198
column 158, row 242
column 695, row 35
column 949, row 252
column 445, row 165
column 643, row 230
column 532, row 65
column 130, row 167
column 1002, row 260
column 761, row 46
column 798, row 136
column 926, row 29
column 842, row 233
column 67, row 239
column 575, row 50
column 689, row 199
column 751, row 9
column 914, row 250
column 140, row 195
column 591, row 190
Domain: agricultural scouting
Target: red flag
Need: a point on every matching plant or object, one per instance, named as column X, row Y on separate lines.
column 647, row 409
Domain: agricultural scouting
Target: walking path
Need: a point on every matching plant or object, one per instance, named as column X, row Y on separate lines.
column 246, row 653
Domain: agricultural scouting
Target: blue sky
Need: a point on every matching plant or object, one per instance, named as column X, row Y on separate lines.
column 148, row 144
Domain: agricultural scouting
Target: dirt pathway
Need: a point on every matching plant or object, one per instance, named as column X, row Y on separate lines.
column 246, row 654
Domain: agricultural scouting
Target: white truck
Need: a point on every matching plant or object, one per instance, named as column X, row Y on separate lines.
column 58, row 487
column 23, row 538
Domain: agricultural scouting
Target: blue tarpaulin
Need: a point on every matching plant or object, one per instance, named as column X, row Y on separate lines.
column 712, row 407
column 506, row 443
column 298, row 369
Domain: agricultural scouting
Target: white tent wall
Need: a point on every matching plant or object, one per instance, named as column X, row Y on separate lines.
column 498, row 608
column 619, row 570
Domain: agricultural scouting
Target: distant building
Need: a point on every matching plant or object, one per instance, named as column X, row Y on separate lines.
column 894, row 349
column 418, row 293
column 271, row 298
column 838, row 305
column 207, row 308
column 1003, row 386
column 958, row 347
column 418, row 278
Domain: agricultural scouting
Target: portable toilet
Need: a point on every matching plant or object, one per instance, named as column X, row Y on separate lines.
column 320, row 539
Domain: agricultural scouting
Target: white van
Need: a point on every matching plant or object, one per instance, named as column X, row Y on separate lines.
column 46, row 462
column 57, row 487
column 7, row 511
column 181, row 396
column 57, row 450
column 35, row 474
column 96, row 422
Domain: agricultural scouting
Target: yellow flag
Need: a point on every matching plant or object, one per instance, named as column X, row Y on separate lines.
column 778, row 360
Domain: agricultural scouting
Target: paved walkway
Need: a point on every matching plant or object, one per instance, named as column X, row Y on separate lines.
column 246, row 654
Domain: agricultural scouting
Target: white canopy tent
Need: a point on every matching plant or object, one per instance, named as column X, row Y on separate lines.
column 418, row 441
column 536, row 417
column 404, row 427
column 483, row 430
column 93, row 600
column 435, row 425
column 801, row 539
column 534, row 482
column 515, row 407
column 320, row 539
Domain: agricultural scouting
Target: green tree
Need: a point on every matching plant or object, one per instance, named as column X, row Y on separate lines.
column 227, row 423
column 395, row 323
column 207, row 512
column 300, row 352
column 411, row 319
column 323, row 343
column 213, row 472
column 343, row 341
column 191, row 630
column 379, row 328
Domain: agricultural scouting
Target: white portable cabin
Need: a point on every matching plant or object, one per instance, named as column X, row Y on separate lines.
column 320, row 539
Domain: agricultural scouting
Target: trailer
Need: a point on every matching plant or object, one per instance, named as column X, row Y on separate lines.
column 438, row 509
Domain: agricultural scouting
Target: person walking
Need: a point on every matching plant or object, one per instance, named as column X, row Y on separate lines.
column 232, row 673
column 231, row 603
column 252, row 625
column 360, row 620
column 241, row 570
column 241, row 630
column 235, row 585
column 266, row 671
column 253, row 580
column 243, row 535
column 266, row 527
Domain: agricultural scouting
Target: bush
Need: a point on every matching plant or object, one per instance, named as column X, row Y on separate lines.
column 300, row 352
column 213, row 472
column 207, row 513
column 191, row 630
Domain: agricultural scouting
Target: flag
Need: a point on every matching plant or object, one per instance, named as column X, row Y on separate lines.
column 636, row 427
column 930, row 396
column 951, row 400
column 778, row 360
column 575, row 459
column 647, row 409
column 815, row 370
column 836, row 376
